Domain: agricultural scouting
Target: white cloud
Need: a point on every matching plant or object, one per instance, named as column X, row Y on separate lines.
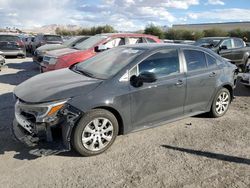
column 216, row 15
column 215, row 2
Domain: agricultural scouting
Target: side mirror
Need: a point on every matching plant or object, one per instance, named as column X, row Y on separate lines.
column 144, row 77
column 101, row 48
column 223, row 47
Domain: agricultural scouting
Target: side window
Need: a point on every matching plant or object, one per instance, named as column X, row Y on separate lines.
column 115, row 42
column 162, row 63
column 195, row 60
column 149, row 40
column 227, row 43
column 135, row 40
column 238, row 43
column 211, row 61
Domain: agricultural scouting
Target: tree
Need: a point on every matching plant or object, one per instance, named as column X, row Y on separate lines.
column 154, row 30
column 215, row 33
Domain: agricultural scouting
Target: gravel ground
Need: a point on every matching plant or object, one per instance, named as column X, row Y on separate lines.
column 193, row 152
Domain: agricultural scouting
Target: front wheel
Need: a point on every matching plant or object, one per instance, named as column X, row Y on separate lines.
column 220, row 103
column 95, row 132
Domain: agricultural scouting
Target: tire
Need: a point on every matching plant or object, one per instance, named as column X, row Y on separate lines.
column 220, row 103
column 95, row 132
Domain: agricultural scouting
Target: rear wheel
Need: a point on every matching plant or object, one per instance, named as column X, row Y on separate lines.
column 221, row 103
column 95, row 132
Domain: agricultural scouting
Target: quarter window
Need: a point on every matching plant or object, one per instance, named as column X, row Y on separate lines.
column 135, row 40
column 195, row 60
column 149, row 40
column 162, row 63
column 115, row 42
column 211, row 61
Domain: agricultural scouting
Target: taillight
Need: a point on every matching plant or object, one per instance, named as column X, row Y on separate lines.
column 20, row 43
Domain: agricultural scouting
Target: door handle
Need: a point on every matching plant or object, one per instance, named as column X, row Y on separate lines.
column 213, row 74
column 179, row 83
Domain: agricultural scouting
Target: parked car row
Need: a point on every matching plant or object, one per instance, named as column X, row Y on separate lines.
column 67, row 57
column 70, row 43
column 33, row 42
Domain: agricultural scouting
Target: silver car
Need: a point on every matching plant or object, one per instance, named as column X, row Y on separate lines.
column 12, row 45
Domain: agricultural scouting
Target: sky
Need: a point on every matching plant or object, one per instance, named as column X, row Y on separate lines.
column 123, row 15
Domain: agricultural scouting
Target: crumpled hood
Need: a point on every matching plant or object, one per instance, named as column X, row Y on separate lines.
column 61, row 52
column 48, row 47
column 55, row 85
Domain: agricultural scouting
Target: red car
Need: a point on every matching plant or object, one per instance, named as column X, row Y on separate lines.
column 66, row 57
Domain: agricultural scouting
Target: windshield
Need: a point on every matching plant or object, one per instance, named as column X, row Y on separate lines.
column 90, row 42
column 52, row 38
column 213, row 42
column 70, row 41
column 108, row 63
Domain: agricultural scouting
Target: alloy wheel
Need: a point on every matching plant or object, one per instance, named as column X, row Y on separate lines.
column 97, row 134
column 222, row 103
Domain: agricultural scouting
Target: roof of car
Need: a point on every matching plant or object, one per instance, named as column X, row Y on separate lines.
column 151, row 46
column 126, row 34
column 218, row 38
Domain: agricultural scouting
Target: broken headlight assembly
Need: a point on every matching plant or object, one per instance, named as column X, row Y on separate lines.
column 39, row 113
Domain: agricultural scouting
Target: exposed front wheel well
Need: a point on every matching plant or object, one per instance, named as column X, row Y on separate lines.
column 117, row 115
column 230, row 89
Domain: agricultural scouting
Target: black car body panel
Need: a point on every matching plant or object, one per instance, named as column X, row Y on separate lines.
column 61, row 85
column 170, row 97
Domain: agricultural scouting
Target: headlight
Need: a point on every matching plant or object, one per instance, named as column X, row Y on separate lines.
column 44, row 112
column 39, row 52
column 52, row 61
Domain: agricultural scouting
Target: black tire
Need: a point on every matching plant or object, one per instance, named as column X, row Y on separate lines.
column 76, row 138
column 213, row 111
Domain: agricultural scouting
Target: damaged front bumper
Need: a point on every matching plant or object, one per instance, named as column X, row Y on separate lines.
column 47, row 138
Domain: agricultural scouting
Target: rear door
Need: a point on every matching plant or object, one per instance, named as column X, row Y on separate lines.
column 238, row 51
column 201, row 80
column 163, row 99
column 227, row 53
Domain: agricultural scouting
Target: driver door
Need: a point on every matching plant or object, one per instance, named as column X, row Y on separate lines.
column 161, row 100
column 226, row 53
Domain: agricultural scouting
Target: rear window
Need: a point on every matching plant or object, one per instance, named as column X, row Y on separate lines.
column 149, row 40
column 8, row 38
column 52, row 38
column 195, row 60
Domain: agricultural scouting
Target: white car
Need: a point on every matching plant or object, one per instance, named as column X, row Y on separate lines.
column 2, row 60
column 246, row 76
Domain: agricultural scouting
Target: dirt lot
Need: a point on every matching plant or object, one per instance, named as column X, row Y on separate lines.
column 194, row 152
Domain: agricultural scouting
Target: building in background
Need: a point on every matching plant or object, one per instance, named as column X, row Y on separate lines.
column 228, row 26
